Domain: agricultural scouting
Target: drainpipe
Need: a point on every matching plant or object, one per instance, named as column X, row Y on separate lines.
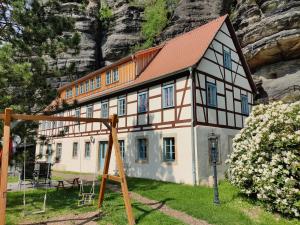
column 192, row 129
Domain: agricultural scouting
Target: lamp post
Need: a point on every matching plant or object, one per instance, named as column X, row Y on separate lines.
column 213, row 139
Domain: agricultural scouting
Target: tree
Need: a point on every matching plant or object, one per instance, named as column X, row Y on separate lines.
column 31, row 34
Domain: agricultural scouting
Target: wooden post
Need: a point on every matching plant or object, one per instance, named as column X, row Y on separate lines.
column 113, row 139
column 4, row 164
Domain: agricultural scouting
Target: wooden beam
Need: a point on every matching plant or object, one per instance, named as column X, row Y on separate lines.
column 4, row 165
column 124, row 186
column 113, row 141
column 114, row 178
column 58, row 118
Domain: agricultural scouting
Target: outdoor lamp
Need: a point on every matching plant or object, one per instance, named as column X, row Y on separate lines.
column 213, row 140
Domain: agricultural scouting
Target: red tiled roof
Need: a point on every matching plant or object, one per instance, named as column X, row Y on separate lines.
column 176, row 55
column 183, row 51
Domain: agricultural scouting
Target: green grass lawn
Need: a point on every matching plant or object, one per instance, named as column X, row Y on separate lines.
column 198, row 202
column 13, row 179
column 65, row 202
column 235, row 209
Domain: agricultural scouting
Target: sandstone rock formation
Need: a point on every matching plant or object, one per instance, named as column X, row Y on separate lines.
column 87, row 27
column 269, row 32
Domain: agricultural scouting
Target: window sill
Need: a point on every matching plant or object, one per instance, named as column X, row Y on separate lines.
column 174, row 162
column 169, row 107
column 145, row 112
column 142, row 161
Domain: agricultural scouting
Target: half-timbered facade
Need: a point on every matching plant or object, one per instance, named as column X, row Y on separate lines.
column 168, row 99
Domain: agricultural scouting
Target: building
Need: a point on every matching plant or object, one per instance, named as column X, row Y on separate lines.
column 168, row 98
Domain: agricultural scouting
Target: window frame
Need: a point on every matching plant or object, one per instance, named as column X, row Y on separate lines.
column 77, row 90
column 164, row 158
column 145, row 151
column 87, row 85
column 87, row 156
column 122, row 149
column 98, row 81
column 227, row 56
column 164, row 101
column 210, row 85
column 139, row 102
column 92, row 84
column 88, row 108
column 107, row 109
column 124, row 108
column 82, row 88
column 115, row 74
column 58, row 154
column 245, row 105
column 74, row 156
column 108, row 77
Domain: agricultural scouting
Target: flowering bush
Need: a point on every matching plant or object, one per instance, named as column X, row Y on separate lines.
column 265, row 162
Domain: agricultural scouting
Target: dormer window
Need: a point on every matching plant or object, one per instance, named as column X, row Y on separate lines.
column 108, row 78
column 77, row 90
column 115, row 75
column 87, row 86
column 92, row 84
column 98, row 81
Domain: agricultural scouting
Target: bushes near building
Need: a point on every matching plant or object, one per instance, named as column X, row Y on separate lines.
column 265, row 162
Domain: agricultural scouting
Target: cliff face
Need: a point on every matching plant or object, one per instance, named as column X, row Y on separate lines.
column 269, row 33
column 268, row 30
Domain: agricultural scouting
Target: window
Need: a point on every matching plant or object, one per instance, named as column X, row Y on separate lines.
column 108, row 78
column 168, row 96
column 43, row 125
column 49, row 153
column 227, row 59
column 58, row 152
column 122, row 148
column 81, row 88
column 142, row 149
column 115, row 75
column 69, row 93
column 92, row 82
column 98, row 81
column 169, row 149
column 75, row 150
column 87, row 150
column 121, row 106
column 89, row 111
column 54, row 124
column 104, row 109
column 87, row 86
column 211, row 94
column 245, row 106
column 77, row 90
column 142, row 102
column 48, row 124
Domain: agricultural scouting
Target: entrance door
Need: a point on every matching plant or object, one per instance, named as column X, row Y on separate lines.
column 102, row 152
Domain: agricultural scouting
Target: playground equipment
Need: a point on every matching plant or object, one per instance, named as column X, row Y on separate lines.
column 110, row 123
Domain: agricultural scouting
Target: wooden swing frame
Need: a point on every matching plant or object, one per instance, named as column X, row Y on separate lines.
column 110, row 123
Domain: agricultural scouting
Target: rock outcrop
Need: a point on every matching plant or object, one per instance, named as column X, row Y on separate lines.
column 123, row 31
column 269, row 32
column 87, row 26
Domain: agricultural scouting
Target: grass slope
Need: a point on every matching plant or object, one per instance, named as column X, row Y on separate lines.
column 198, row 202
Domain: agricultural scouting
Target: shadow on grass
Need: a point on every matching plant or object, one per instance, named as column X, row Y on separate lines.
column 145, row 212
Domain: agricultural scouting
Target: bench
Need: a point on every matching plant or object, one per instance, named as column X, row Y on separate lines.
column 61, row 183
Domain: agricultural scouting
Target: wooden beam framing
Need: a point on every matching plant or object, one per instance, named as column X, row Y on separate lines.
column 113, row 141
column 4, row 165
column 110, row 123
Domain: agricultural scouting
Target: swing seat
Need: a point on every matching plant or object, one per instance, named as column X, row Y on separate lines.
column 86, row 199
